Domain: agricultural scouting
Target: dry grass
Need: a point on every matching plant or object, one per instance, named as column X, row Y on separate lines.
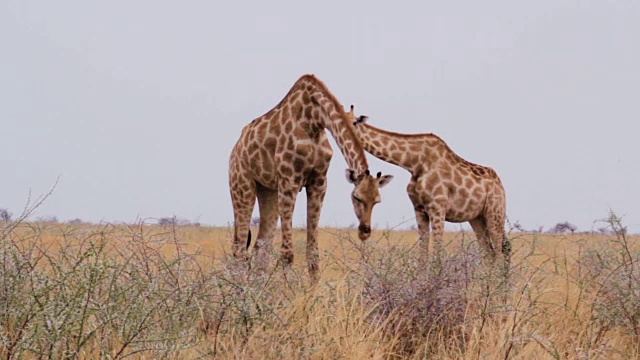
column 113, row 291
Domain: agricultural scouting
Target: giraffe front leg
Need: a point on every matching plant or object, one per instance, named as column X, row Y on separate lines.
column 436, row 213
column 286, row 203
column 422, row 220
column 315, row 199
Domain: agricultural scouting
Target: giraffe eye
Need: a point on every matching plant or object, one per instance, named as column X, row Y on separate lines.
column 357, row 199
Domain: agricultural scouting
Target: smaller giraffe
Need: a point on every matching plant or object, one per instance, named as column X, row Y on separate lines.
column 443, row 187
column 287, row 150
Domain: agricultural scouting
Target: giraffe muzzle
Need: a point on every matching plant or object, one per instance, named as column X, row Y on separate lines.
column 364, row 232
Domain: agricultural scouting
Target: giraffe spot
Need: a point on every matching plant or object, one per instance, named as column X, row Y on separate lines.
column 303, row 150
column 253, row 148
column 286, row 171
column 270, row 144
column 316, row 113
column 468, row 183
column 457, row 178
column 412, row 159
column 288, row 127
column 305, row 98
column 477, row 193
column 307, row 112
column 298, row 165
column 287, row 157
column 286, row 112
column 274, row 128
column 440, row 189
column 413, row 147
column 432, row 180
column 471, row 204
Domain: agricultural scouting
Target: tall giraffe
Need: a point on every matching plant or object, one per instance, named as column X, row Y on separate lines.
column 443, row 187
column 286, row 150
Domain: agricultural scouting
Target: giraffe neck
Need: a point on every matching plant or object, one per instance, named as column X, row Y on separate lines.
column 402, row 150
column 336, row 121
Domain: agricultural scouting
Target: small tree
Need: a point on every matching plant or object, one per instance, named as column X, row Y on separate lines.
column 563, row 227
column 5, row 215
column 48, row 219
column 167, row 221
column 518, row 227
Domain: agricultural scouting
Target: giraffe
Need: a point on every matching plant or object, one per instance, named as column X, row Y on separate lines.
column 286, row 150
column 443, row 187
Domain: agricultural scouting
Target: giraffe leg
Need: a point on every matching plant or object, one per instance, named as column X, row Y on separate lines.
column 479, row 226
column 268, row 205
column 436, row 212
column 316, row 191
column 501, row 246
column 243, row 197
column 286, row 203
column 422, row 220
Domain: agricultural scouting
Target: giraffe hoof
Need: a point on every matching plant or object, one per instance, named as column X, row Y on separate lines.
column 286, row 259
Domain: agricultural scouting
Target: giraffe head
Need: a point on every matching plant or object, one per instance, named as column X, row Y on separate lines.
column 366, row 193
column 365, row 196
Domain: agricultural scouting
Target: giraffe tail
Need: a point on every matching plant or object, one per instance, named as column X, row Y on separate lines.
column 249, row 239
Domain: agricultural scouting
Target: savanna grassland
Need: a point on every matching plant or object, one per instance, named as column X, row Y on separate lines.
column 143, row 291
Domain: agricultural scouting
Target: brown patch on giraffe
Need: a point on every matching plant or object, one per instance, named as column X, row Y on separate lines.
column 432, row 180
column 303, row 150
column 286, row 171
column 298, row 165
column 457, row 178
column 469, row 183
column 253, row 148
column 397, row 157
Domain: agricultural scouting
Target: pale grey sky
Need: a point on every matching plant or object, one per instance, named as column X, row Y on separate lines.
column 137, row 104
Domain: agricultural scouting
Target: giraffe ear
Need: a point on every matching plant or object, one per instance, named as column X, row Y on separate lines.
column 361, row 119
column 384, row 180
column 350, row 174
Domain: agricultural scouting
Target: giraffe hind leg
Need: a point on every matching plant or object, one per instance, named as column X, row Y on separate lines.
column 243, row 198
column 268, row 206
column 479, row 226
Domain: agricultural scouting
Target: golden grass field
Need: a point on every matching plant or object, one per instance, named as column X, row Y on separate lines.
column 551, row 310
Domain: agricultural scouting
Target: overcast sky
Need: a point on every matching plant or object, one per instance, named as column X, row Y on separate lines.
column 137, row 104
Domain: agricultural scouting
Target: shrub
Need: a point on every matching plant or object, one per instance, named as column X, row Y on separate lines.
column 614, row 275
